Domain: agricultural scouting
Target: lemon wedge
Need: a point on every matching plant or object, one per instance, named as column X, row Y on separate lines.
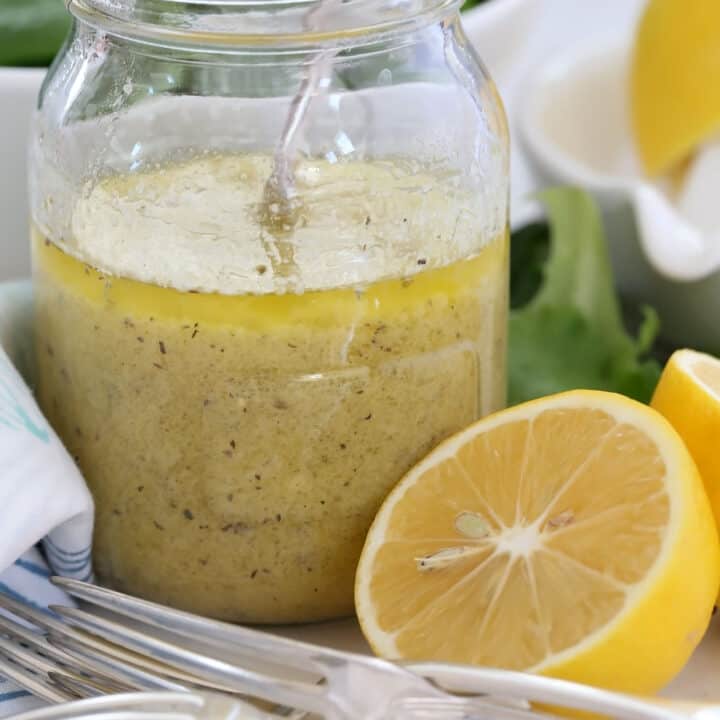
column 674, row 88
column 569, row 536
column 688, row 395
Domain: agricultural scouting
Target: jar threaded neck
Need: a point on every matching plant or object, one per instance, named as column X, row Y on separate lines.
column 271, row 23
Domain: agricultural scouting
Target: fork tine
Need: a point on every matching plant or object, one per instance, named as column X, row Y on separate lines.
column 137, row 677
column 299, row 655
column 9, row 626
column 28, row 659
column 69, row 639
column 26, row 656
column 31, row 660
column 13, row 630
column 297, row 694
column 45, row 620
column 33, row 682
column 57, row 629
column 98, row 653
column 83, row 652
column 60, row 633
column 49, row 658
column 80, row 686
column 32, row 648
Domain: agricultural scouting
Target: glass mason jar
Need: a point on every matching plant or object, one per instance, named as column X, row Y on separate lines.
column 270, row 259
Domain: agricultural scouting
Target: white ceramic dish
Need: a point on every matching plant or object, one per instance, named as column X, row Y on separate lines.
column 498, row 31
column 514, row 37
column 574, row 122
column 19, row 88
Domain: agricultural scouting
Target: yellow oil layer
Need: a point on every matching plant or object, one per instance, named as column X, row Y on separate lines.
column 260, row 312
column 238, row 446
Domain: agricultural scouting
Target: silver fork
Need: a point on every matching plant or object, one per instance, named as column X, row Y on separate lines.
column 159, row 647
column 129, row 635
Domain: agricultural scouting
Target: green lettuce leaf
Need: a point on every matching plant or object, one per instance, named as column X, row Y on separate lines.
column 32, row 31
column 566, row 327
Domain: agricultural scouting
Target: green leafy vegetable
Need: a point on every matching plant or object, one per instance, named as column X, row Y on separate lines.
column 566, row 328
column 528, row 254
column 472, row 3
column 32, row 31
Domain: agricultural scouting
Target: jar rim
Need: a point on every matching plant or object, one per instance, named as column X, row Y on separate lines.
column 232, row 25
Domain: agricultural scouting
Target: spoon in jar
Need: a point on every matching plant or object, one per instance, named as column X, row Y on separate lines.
column 280, row 207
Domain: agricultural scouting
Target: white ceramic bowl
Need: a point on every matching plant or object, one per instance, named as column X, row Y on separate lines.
column 498, row 29
column 19, row 88
column 574, row 123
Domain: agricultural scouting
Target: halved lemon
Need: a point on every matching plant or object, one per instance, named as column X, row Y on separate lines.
column 570, row 536
column 674, row 88
column 688, row 395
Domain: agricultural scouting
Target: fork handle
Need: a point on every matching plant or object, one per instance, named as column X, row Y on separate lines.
column 688, row 709
column 559, row 693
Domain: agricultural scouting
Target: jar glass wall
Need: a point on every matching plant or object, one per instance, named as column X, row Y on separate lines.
column 242, row 384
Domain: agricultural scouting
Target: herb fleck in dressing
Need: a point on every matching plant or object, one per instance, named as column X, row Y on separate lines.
column 239, row 430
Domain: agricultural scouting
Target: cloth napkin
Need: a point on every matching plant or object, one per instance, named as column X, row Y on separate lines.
column 46, row 510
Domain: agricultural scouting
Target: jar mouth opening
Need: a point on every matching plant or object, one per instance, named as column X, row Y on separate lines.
column 260, row 24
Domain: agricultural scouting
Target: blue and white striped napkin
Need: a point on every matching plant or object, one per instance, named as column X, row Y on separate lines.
column 46, row 511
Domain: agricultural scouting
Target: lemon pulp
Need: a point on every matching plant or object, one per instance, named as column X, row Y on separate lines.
column 688, row 395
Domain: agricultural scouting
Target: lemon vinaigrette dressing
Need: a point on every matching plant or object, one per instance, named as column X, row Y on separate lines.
column 239, row 424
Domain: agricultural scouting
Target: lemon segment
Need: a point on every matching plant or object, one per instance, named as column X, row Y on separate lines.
column 688, row 395
column 569, row 536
